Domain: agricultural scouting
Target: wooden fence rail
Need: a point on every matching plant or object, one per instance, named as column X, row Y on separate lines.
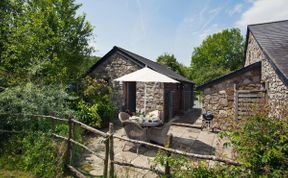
column 175, row 151
column 36, row 115
column 109, row 148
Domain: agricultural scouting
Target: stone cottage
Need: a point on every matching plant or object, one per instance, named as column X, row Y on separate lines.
column 264, row 78
column 170, row 99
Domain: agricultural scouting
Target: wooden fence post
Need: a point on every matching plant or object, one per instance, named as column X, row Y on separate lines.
column 69, row 150
column 111, row 151
column 168, row 154
column 236, row 103
column 105, row 170
column 73, row 138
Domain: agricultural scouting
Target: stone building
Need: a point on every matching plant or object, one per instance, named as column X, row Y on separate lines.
column 264, row 78
column 171, row 99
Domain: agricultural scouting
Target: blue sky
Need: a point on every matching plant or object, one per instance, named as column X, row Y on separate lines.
column 153, row 27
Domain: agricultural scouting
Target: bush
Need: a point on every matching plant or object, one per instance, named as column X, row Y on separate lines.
column 32, row 99
column 261, row 143
column 181, row 167
column 33, row 152
column 94, row 106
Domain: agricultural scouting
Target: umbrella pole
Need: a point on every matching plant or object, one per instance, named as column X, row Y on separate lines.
column 145, row 86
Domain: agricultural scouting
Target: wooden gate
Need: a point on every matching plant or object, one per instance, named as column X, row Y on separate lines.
column 248, row 102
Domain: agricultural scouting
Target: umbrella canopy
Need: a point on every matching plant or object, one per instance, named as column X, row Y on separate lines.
column 146, row 75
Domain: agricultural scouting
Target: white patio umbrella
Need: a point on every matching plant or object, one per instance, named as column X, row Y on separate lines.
column 146, row 75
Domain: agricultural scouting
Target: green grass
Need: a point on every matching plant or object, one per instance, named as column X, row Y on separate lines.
column 15, row 174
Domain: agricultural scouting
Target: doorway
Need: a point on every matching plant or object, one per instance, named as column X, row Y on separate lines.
column 131, row 96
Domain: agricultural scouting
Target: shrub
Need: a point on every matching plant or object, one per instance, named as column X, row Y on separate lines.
column 182, row 167
column 94, row 106
column 32, row 99
column 261, row 143
column 33, row 152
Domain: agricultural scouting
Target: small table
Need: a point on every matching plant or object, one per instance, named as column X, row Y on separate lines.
column 144, row 122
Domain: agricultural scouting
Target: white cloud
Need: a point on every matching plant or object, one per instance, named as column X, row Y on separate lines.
column 264, row 11
column 213, row 13
column 236, row 9
column 215, row 28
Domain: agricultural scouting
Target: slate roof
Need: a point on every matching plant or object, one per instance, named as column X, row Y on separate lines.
column 142, row 62
column 230, row 75
column 272, row 38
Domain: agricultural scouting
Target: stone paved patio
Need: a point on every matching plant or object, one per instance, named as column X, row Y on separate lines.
column 184, row 138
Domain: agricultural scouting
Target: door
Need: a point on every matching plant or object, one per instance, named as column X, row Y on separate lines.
column 131, row 96
column 170, row 105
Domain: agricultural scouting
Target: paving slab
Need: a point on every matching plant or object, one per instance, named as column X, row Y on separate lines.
column 184, row 138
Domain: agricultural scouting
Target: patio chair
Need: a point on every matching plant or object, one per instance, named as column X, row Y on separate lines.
column 159, row 134
column 123, row 116
column 134, row 131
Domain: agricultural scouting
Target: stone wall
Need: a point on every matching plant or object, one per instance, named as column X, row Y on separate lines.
column 253, row 51
column 117, row 66
column 112, row 68
column 219, row 98
column 154, row 96
column 277, row 90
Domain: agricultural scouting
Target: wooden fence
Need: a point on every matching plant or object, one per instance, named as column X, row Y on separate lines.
column 109, row 137
column 246, row 101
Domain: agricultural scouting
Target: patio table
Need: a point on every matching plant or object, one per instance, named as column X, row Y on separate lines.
column 145, row 122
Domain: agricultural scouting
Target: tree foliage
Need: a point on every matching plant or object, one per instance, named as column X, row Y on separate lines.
column 171, row 62
column 43, row 47
column 262, row 145
column 218, row 54
column 43, row 40
column 94, row 105
column 25, row 152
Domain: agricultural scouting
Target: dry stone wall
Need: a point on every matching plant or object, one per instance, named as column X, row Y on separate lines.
column 154, row 97
column 254, row 52
column 277, row 90
column 219, row 98
column 112, row 68
column 117, row 66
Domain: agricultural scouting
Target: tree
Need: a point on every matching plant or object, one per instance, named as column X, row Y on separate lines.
column 44, row 40
column 171, row 62
column 218, row 54
column 202, row 75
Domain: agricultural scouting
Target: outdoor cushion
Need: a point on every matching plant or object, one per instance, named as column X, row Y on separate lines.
column 154, row 115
